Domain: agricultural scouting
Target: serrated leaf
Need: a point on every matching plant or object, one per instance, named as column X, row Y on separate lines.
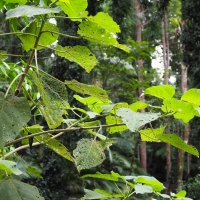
column 30, row 11
column 135, row 120
column 10, row 167
column 151, row 135
column 53, row 102
column 176, row 141
column 75, row 9
column 142, row 189
column 92, row 90
column 161, row 91
column 115, row 120
column 139, row 105
column 46, row 38
column 182, row 110
column 192, row 96
column 14, row 114
column 79, row 54
column 151, row 181
column 59, row 148
column 88, row 153
column 12, row 189
column 20, row 2
column 105, row 21
column 94, row 33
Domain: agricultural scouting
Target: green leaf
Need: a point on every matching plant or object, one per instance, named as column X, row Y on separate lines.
column 192, row 96
column 182, row 110
column 79, row 54
column 12, row 189
column 59, row 148
column 161, row 91
column 34, row 171
column 105, row 21
column 92, row 90
column 110, row 177
column 142, row 189
column 3, row 56
column 20, row 2
column 46, row 38
column 30, row 11
column 176, row 141
column 53, row 102
column 151, row 181
column 115, row 120
column 75, row 9
column 94, row 33
column 10, row 167
column 88, row 153
column 89, row 194
column 139, row 105
column 135, row 120
column 14, row 114
column 181, row 193
column 152, row 135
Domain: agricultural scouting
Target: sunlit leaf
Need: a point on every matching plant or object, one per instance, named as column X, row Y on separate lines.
column 30, row 11
column 11, row 189
column 92, row 90
column 139, row 105
column 14, row 114
column 79, row 54
column 161, row 91
column 142, row 189
column 192, row 96
column 88, row 153
column 10, row 167
column 20, row 2
column 135, row 120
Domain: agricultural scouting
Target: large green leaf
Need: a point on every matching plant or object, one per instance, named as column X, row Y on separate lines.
column 176, row 141
column 14, row 114
column 46, row 38
column 30, row 11
column 20, row 2
column 92, row 90
column 88, row 153
column 105, row 21
column 182, row 110
column 10, row 167
column 59, row 148
column 79, row 54
column 12, row 189
column 75, row 9
column 192, row 96
column 53, row 102
column 92, row 32
column 142, row 189
column 161, row 91
column 135, row 120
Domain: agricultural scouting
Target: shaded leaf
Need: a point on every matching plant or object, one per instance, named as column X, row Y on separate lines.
column 88, row 153
column 30, row 11
column 142, row 189
column 53, row 102
column 192, row 96
column 10, row 167
column 79, row 54
column 89, row 194
column 12, row 189
column 20, row 2
column 92, row 90
column 161, row 91
column 14, row 114
column 34, row 171
column 135, row 120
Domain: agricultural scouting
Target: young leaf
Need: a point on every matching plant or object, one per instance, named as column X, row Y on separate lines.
column 79, row 54
column 176, row 141
column 92, row 90
column 14, row 114
column 30, row 11
column 10, row 167
column 75, row 9
column 54, row 98
column 88, row 153
column 192, row 96
column 11, row 189
column 92, row 32
column 135, row 120
column 161, row 91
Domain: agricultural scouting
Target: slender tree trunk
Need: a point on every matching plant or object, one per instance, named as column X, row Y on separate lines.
column 143, row 156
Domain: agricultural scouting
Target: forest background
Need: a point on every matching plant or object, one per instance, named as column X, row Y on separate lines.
column 165, row 32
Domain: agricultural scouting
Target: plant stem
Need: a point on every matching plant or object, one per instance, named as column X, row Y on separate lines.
column 62, row 34
column 18, row 33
